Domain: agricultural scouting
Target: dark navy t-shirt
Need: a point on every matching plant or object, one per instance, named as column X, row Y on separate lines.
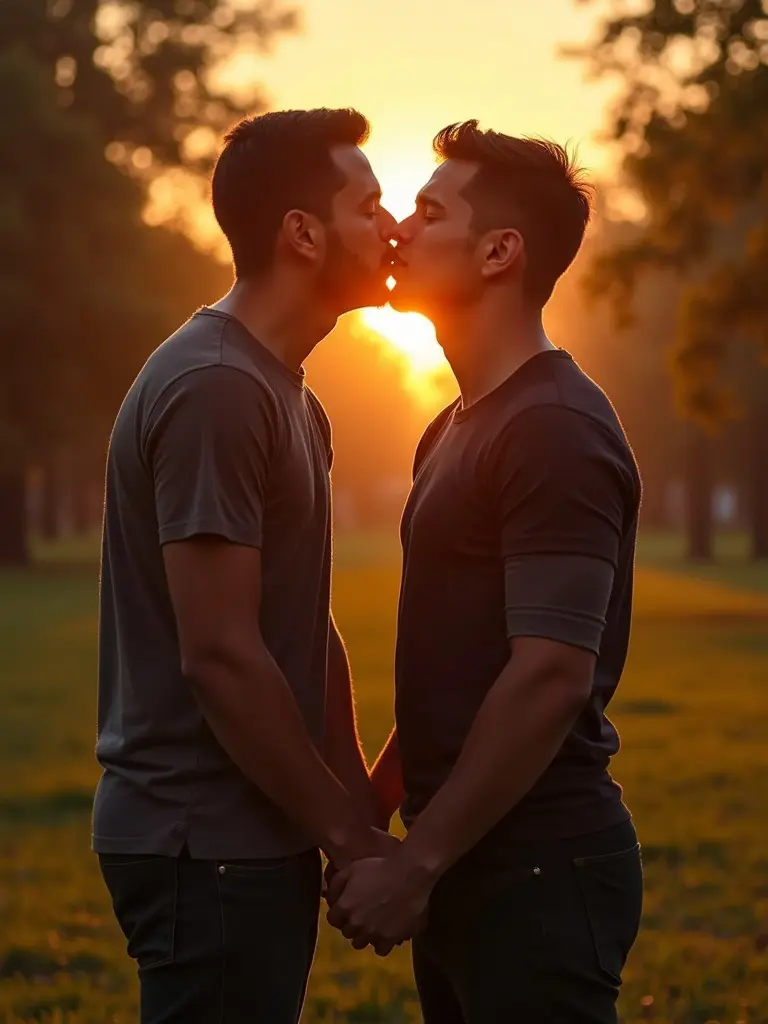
column 521, row 522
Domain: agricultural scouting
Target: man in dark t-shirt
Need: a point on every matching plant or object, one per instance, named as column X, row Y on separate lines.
column 226, row 727
column 518, row 550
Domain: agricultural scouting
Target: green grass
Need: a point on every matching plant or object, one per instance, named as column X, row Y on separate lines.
column 730, row 564
column 692, row 711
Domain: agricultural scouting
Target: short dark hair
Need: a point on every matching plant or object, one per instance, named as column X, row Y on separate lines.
column 273, row 163
column 530, row 184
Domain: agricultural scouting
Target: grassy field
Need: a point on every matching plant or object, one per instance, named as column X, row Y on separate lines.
column 692, row 711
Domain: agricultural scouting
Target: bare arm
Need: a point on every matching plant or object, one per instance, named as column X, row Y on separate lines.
column 563, row 496
column 562, row 501
column 387, row 778
column 343, row 752
column 216, row 592
column 518, row 731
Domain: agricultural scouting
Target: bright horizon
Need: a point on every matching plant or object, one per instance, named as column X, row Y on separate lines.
column 412, row 68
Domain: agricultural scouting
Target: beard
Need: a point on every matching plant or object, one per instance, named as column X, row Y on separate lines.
column 347, row 281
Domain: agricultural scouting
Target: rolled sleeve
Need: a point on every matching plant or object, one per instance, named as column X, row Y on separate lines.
column 563, row 500
column 558, row 597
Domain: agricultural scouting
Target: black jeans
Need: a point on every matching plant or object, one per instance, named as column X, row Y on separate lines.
column 539, row 938
column 218, row 942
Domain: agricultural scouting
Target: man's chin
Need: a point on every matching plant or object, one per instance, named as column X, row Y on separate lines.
column 364, row 298
column 403, row 302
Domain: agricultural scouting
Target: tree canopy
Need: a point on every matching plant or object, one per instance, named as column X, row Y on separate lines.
column 692, row 117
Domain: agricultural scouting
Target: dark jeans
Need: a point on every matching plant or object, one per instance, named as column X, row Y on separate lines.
column 540, row 938
column 226, row 942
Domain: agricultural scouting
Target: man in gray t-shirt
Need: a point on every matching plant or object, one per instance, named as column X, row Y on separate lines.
column 226, row 722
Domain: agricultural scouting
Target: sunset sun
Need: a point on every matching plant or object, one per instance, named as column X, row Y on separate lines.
column 411, row 335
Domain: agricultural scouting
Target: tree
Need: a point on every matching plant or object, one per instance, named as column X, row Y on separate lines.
column 629, row 363
column 150, row 75
column 63, row 216
column 144, row 71
column 693, row 120
column 81, row 284
column 137, row 81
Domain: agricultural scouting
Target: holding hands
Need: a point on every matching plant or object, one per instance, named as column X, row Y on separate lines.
column 379, row 901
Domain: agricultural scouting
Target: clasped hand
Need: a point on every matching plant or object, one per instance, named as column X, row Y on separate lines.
column 377, row 901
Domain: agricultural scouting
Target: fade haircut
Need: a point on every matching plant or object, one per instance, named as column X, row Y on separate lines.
column 273, row 163
column 532, row 185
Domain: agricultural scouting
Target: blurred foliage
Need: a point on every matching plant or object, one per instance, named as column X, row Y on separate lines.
column 87, row 288
column 101, row 87
column 144, row 71
column 70, row 240
column 692, row 118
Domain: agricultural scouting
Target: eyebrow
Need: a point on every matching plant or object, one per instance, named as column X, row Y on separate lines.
column 425, row 199
column 373, row 194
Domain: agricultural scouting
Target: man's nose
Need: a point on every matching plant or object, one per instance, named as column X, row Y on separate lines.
column 387, row 224
column 401, row 233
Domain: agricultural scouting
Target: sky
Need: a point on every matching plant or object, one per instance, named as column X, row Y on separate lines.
column 413, row 66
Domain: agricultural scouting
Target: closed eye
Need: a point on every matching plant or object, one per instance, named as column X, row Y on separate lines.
column 371, row 205
column 428, row 209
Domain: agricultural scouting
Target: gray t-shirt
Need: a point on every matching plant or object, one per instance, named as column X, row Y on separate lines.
column 216, row 436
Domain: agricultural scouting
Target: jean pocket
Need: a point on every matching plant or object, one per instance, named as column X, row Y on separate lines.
column 612, row 889
column 256, row 868
column 144, row 893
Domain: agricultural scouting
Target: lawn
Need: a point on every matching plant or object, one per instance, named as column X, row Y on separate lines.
column 692, row 711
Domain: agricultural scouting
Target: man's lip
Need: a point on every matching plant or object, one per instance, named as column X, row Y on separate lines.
column 395, row 259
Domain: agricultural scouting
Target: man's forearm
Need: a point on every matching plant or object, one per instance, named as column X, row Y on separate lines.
column 516, row 734
column 343, row 751
column 254, row 716
column 387, row 778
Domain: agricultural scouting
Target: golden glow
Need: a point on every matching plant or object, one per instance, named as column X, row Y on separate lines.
column 410, row 339
column 400, row 179
column 411, row 334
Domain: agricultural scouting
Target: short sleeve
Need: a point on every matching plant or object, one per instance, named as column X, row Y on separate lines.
column 210, row 442
column 560, row 485
column 563, row 497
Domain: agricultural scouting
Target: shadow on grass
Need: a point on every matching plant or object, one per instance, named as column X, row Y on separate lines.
column 34, row 965
column 47, row 808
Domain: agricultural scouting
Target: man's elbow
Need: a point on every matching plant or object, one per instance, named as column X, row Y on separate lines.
column 201, row 666
column 571, row 683
column 566, row 675
column 578, row 691
column 205, row 664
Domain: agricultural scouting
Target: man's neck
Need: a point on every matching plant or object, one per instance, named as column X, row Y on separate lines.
column 282, row 319
column 486, row 345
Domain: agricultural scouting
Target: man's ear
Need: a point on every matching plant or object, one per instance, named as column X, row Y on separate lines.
column 304, row 234
column 501, row 250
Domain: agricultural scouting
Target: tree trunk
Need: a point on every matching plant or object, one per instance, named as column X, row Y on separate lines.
column 653, row 512
column 50, row 499
column 81, row 504
column 758, row 480
column 14, row 549
column 699, row 491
